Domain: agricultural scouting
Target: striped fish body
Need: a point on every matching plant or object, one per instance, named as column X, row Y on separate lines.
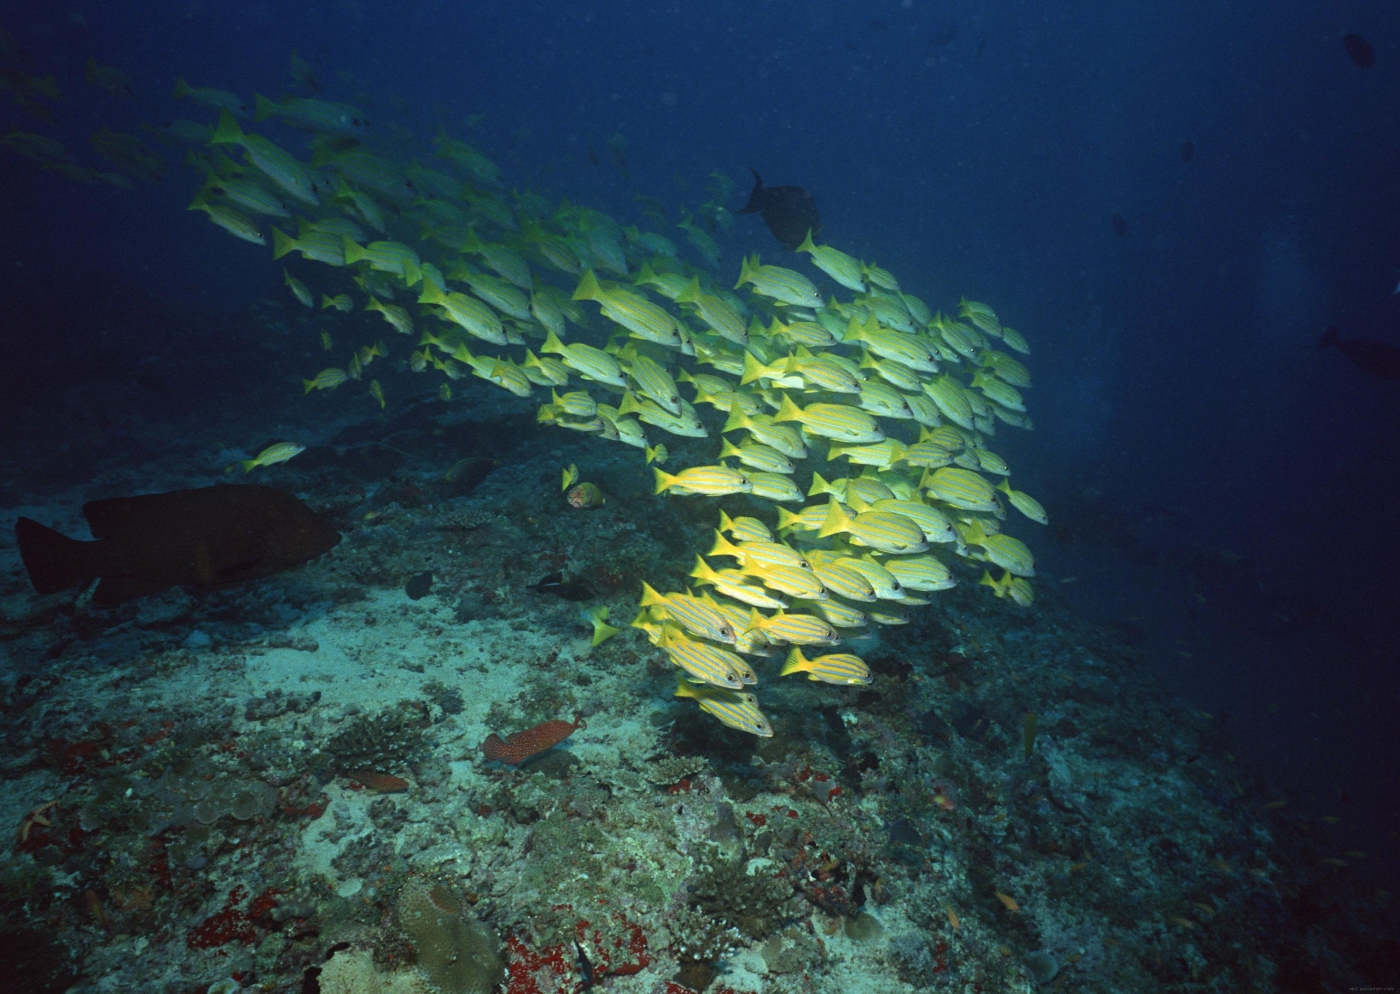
column 545, row 371
column 952, row 400
column 884, row 583
column 965, row 341
column 809, row 519
column 711, row 481
column 925, row 411
column 838, row 614
column 654, row 381
column 790, row 580
column 736, row 709
column 787, row 286
column 935, row 525
column 796, row 629
column 884, row 401
column 468, row 313
column 1009, row 553
column 842, row 268
column 1024, row 503
column 785, row 439
column 881, row 455
column 880, row 530
column 835, row 421
column 920, row 573
column 705, row 662
column 820, row 372
column 1015, row 341
column 744, row 529
column 961, row 488
column 929, row 455
column 837, row 667
column 844, row 581
column 1005, row 368
column 591, row 363
column 691, row 613
column 896, row 374
column 774, row 486
column 758, row 456
column 890, row 312
column 999, row 392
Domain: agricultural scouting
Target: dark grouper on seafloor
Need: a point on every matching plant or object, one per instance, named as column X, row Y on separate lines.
column 210, row 537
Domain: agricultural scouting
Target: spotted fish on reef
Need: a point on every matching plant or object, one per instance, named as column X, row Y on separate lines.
column 789, row 211
column 206, row 538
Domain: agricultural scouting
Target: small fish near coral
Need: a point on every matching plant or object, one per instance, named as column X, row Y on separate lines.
column 206, row 538
column 520, row 746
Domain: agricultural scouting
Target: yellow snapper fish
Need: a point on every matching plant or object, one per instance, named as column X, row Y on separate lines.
column 691, row 613
column 787, row 286
column 837, row 667
column 960, row 488
column 589, row 362
column 398, row 317
column 274, row 162
column 702, row 242
column 387, row 257
column 340, row 302
column 108, row 78
column 235, row 222
column 273, row 454
column 210, row 97
column 298, row 289
column 734, row 584
column 892, row 533
column 468, row 313
column 834, row 421
column 686, row 423
column 737, row 709
column 635, row 313
column 715, row 311
column 708, row 663
column 744, row 529
column 656, row 454
column 1024, row 503
column 841, row 267
column 570, row 477
column 1018, row 589
column 794, row 629
column 326, row 379
column 710, row 481
column 757, row 551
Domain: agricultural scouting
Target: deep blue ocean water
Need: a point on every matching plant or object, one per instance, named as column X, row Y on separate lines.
column 1219, row 487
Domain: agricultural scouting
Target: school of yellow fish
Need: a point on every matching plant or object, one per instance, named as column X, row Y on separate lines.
column 862, row 414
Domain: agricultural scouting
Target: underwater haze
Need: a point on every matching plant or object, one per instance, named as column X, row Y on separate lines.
column 727, row 497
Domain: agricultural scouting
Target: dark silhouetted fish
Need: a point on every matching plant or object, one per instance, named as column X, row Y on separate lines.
column 1360, row 51
column 209, row 537
column 789, row 211
column 1375, row 358
column 1120, row 225
column 1188, row 151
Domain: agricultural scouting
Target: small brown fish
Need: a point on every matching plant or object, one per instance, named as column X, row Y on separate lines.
column 206, row 538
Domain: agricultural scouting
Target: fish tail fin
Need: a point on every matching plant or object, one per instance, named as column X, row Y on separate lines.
column 788, row 411
column 353, row 252
column 819, row 486
column 723, row 547
column 807, row 245
column 690, row 292
column 182, row 89
column 837, row 520
column 650, row 598
column 247, row 464
column 1329, row 337
column 684, row 689
column 588, row 287
column 552, row 343
column 629, row 403
column 747, row 267
column 737, row 418
column 281, row 243
column 753, row 369
column 228, row 132
column 265, row 108
column 795, row 662
column 663, row 480
column 54, row 561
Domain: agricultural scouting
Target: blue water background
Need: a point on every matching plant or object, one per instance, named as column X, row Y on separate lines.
column 975, row 149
